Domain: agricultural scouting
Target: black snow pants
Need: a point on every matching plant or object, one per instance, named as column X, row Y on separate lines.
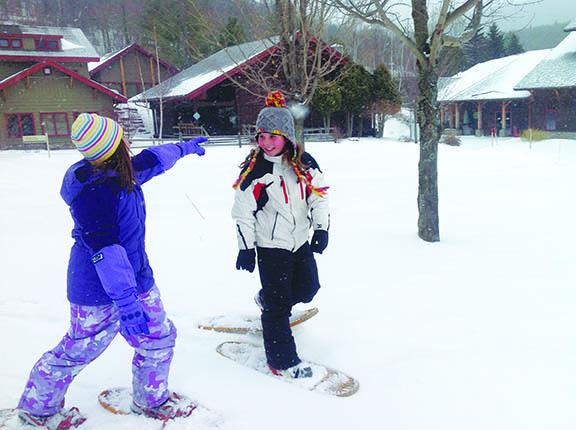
column 287, row 278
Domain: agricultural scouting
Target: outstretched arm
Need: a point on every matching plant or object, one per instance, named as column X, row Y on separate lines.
column 156, row 160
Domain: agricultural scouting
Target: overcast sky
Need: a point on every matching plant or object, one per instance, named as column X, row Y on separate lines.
column 544, row 12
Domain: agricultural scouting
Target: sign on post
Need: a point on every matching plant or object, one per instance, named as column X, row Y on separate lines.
column 38, row 138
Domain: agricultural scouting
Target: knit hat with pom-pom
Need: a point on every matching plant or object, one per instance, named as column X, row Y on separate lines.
column 276, row 118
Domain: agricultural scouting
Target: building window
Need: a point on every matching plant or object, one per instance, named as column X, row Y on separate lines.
column 10, row 43
column 55, row 123
column 47, row 45
column 47, row 70
column 20, row 124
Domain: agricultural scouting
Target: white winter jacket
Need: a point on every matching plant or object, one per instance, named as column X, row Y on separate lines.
column 272, row 208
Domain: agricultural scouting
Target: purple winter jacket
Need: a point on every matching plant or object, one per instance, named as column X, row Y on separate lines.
column 104, row 213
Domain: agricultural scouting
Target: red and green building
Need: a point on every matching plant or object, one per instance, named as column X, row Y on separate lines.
column 45, row 83
column 131, row 70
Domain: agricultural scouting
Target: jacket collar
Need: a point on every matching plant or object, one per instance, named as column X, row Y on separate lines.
column 275, row 159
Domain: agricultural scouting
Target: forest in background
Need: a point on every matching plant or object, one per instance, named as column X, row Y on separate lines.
column 189, row 30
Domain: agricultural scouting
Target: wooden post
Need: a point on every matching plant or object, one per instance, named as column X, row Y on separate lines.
column 152, row 72
column 123, row 76
column 503, row 122
column 442, row 116
column 48, row 145
column 479, row 123
column 457, row 107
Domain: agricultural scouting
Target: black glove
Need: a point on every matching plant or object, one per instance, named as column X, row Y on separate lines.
column 319, row 241
column 246, row 260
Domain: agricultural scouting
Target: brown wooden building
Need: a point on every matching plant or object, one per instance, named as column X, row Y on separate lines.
column 506, row 96
column 44, row 84
column 206, row 96
column 130, row 70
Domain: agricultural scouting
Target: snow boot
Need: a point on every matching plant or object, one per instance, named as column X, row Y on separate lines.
column 176, row 406
column 65, row 419
column 259, row 300
column 301, row 370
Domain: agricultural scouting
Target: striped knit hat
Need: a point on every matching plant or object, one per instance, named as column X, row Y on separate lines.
column 96, row 137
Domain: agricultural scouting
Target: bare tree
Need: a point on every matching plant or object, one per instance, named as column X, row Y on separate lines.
column 299, row 56
column 306, row 59
column 425, row 39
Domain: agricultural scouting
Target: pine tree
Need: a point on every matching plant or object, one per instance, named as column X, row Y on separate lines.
column 232, row 34
column 386, row 98
column 513, row 45
column 495, row 43
column 356, row 86
column 327, row 99
column 475, row 51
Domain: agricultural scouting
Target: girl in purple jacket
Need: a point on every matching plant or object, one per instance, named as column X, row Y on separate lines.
column 111, row 286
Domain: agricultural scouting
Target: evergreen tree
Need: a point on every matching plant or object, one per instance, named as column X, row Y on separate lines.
column 452, row 60
column 495, row 42
column 475, row 51
column 232, row 34
column 513, row 45
column 327, row 100
column 178, row 30
column 356, row 87
column 386, row 98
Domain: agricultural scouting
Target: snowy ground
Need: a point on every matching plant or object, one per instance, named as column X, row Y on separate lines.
column 476, row 332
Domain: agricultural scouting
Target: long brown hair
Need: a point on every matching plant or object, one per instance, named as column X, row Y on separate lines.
column 291, row 156
column 121, row 163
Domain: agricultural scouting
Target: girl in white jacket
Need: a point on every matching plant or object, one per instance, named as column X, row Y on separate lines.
column 280, row 196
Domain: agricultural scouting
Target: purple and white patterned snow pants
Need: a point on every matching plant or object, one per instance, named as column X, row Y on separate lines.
column 92, row 329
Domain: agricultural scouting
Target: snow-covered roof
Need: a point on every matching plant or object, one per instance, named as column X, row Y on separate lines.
column 491, row 80
column 557, row 69
column 96, row 66
column 21, row 74
column 104, row 59
column 571, row 26
column 75, row 45
column 208, row 72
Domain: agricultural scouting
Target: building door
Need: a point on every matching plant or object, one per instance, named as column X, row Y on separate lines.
column 508, row 118
column 551, row 117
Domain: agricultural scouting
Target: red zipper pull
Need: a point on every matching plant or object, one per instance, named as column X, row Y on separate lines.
column 284, row 189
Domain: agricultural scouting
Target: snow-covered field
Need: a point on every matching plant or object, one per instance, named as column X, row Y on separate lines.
column 476, row 332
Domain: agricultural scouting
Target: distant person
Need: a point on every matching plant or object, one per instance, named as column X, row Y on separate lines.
column 280, row 195
column 111, row 287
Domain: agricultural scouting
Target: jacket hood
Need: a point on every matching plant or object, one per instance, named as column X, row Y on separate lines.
column 75, row 178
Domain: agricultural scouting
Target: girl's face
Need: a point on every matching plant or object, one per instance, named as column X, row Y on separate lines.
column 271, row 144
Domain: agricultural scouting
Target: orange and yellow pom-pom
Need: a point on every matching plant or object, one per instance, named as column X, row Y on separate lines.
column 275, row 99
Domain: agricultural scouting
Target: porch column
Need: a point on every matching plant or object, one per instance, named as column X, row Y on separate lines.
column 503, row 121
column 479, row 128
column 442, row 116
column 457, row 107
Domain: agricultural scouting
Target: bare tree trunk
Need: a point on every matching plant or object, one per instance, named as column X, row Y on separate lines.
column 381, row 121
column 299, row 130
column 125, row 25
column 429, row 121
